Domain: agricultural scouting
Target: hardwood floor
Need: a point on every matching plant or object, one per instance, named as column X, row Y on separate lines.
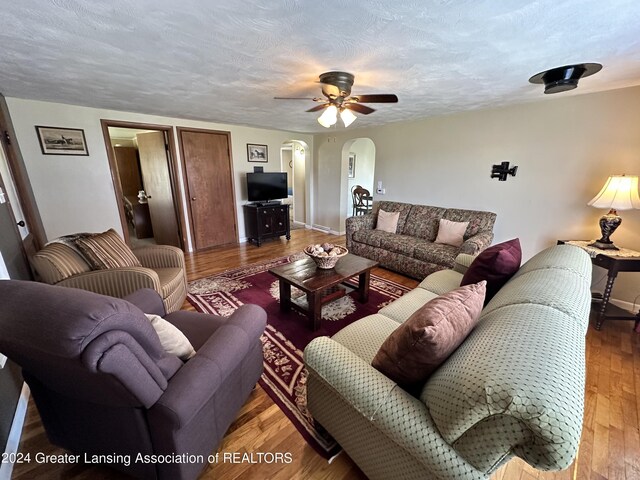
column 610, row 446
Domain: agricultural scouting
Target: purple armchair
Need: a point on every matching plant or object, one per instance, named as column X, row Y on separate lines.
column 103, row 384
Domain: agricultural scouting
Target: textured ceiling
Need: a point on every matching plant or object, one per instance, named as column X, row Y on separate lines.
column 225, row 61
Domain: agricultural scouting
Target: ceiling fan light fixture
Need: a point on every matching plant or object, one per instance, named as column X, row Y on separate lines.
column 329, row 117
column 347, row 117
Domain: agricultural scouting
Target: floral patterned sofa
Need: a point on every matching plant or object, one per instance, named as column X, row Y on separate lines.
column 410, row 250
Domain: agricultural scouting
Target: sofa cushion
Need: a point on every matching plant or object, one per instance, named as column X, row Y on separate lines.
column 422, row 222
column 365, row 336
column 403, row 208
column 479, row 221
column 402, row 244
column 419, row 345
column 436, row 253
column 107, row 250
column 387, row 221
column 451, row 233
column 565, row 257
column 57, row 261
column 496, row 265
column 536, row 283
column 372, row 237
column 441, row 282
column 402, row 308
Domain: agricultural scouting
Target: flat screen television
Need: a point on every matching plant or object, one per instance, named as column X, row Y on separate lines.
column 265, row 186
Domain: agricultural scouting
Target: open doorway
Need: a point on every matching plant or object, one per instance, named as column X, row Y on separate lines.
column 360, row 158
column 293, row 156
column 141, row 158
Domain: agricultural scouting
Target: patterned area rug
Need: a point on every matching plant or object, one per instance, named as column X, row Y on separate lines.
column 284, row 378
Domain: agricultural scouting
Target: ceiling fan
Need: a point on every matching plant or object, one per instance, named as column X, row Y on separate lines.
column 336, row 88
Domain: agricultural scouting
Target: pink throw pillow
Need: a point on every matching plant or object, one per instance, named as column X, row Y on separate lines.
column 451, row 233
column 387, row 221
column 422, row 343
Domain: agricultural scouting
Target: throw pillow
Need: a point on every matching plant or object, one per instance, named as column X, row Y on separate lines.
column 423, row 342
column 56, row 261
column 107, row 250
column 172, row 339
column 387, row 221
column 451, row 233
column 497, row 264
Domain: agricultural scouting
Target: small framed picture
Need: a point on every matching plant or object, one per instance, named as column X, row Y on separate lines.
column 257, row 153
column 62, row 141
column 352, row 165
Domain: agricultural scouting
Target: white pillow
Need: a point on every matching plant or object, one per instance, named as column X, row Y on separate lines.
column 451, row 233
column 387, row 221
column 171, row 338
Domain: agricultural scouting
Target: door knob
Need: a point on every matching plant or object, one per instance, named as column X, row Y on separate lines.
column 148, row 196
column 21, row 223
column 193, row 199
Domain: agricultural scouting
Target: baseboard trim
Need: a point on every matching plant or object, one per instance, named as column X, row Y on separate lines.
column 16, row 432
column 322, row 228
column 626, row 305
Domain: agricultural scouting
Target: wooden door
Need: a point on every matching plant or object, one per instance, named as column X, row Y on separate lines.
column 128, row 170
column 209, row 174
column 157, row 184
column 13, row 264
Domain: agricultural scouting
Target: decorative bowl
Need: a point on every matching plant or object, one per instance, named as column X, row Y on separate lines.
column 325, row 262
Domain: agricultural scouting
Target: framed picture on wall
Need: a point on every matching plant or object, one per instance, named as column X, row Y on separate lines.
column 352, row 165
column 62, row 141
column 257, row 153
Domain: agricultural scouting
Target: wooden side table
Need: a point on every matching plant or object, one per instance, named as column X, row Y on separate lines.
column 613, row 264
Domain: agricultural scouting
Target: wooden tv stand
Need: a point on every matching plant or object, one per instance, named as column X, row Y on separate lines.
column 266, row 221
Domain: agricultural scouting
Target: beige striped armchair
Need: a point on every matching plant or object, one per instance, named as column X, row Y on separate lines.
column 159, row 267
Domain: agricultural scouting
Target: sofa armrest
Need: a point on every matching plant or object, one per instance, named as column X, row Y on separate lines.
column 359, row 222
column 207, row 371
column 147, row 300
column 462, row 262
column 384, row 404
column 478, row 242
column 114, row 282
column 160, row 256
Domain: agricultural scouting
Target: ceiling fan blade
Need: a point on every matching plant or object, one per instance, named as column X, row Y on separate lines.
column 315, row 99
column 317, row 108
column 356, row 107
column 376, row 98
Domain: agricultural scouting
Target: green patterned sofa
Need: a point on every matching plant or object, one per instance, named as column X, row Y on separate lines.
column 410, row 250
column 515, row 387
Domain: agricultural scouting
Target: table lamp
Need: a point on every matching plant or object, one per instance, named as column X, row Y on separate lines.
column 620, row 192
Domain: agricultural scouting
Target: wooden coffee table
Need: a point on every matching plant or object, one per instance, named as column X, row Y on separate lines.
column 322, row 286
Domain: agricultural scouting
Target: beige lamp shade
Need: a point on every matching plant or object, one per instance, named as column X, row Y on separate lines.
column 620, row 192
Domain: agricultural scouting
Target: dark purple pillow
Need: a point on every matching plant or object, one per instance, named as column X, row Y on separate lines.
column 497, row 264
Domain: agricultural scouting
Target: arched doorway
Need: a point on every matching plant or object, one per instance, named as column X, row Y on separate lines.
column 358, row 168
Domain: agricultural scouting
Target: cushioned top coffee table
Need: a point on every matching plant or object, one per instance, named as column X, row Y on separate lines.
column 322, row 286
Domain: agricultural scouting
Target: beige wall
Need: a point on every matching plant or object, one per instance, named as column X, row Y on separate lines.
column 565, row 147
column 76, row 194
